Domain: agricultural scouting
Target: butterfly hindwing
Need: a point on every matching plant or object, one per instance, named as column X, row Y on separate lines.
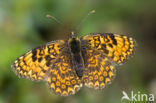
column 99, row 71
column 63, row 79
column 36, row 63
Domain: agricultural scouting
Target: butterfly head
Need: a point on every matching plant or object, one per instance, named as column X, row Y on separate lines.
column 73, row 35
column 74, row 42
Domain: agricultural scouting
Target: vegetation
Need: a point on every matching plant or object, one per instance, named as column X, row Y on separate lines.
column 23, row 26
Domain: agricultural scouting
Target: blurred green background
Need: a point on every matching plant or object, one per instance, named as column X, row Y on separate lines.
column 23, row 26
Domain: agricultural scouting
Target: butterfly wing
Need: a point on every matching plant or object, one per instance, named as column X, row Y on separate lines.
column 99, row 71
column 35, row 64
column 101, row 52
column 63, row 79
column 116, row 47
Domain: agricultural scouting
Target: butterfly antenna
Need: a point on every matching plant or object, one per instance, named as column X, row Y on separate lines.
column 52, row 17
column 84, row 19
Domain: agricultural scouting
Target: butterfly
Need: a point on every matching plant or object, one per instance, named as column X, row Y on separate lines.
column 67, row 65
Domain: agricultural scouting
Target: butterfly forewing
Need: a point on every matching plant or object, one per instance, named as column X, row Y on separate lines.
column 36, row 63
column 116, row 47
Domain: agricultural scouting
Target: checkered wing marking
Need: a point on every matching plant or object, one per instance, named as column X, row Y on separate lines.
column 116, row 47
column 98, row 71
column 62, row 79
column 35, row 64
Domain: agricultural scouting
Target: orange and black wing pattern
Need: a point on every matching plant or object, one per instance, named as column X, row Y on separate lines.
column 99, row 71
column 63, row 79
column 101, row 53
column 54, row 62
column 116, row 47
column 35, row 64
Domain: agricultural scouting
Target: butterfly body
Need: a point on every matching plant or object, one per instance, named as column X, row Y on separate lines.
column 76, row 53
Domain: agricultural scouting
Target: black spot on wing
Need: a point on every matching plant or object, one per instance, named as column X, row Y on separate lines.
column 113, row 39
column 40, row 59
column 34, row 52
column 105, row 49
column 110, row 45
